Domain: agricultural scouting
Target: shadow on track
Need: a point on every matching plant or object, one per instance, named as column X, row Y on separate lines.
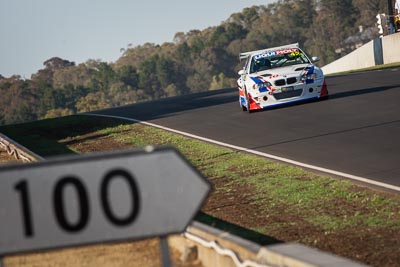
column 168, row 106
column 363, row 91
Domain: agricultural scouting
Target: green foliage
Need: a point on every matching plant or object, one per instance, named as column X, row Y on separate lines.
column 59, row 112
column 128, row 75
column 221, row 81
column 196, row 61
column 148, row 77
column 93, row 101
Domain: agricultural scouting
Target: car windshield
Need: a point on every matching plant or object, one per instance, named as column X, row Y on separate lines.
column 277, row 59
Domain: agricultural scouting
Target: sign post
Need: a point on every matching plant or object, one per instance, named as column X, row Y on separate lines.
column 99, row 198
column 165, row 259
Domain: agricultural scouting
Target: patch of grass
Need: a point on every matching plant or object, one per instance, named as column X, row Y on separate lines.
column 278, row 190
column 329, row 223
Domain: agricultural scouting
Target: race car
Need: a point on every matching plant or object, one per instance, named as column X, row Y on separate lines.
column 277, row 76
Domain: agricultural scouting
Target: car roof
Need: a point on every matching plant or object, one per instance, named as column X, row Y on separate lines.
column 246, row 54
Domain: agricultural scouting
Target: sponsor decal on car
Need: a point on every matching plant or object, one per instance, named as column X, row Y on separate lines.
column 291, row 51
column 287, row 51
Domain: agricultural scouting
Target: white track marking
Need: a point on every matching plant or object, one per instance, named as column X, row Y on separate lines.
column 266, row 155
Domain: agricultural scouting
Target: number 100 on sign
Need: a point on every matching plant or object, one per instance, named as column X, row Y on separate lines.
column 98, row 198
column 59, row 201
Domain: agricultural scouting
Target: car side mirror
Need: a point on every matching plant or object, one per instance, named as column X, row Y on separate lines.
column 241, row 72
column 315, row 59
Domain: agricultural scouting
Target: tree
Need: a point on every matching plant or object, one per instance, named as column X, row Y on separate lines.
column 51, row 65
column 128, row 75
column 196, row 61
column 18, row 102
column 134, row 56
column 220, row 81
column 334, row 21
column 248, row 17
column 171, row 90
column 59, row 112
column 121, row 94
column 367, row 10
column 93, row 101
column 103, row 76
column 148, row 80
column 77, row 76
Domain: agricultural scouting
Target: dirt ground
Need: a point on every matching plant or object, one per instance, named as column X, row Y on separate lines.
column 144, row 253
column 5, row 158
column 235, row 209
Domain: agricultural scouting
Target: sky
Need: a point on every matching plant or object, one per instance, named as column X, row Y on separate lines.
column 32, row 31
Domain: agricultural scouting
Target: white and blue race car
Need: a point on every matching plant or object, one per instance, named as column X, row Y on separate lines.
column 277, row 76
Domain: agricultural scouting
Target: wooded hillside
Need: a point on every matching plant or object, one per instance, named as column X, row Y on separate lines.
column 195, row 61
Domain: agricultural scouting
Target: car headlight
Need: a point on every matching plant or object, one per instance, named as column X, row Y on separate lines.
column 258, row 86
column 311, row 76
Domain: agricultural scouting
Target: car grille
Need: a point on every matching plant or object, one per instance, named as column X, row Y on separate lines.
column 288, row 94
column 291, row 80
column 282, row 82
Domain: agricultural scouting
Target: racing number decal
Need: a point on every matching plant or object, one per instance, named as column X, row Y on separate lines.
column 22, row 188
column 294, row 54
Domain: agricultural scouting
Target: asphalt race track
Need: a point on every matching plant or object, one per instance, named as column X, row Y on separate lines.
column 355, row 131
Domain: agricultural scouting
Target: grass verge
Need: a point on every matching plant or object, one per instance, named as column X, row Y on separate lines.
column 266, row 197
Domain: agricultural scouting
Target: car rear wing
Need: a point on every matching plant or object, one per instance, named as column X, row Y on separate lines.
column 246, row 54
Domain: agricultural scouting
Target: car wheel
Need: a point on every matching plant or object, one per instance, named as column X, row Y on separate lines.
column 247, row 102
column 244, row 108
column 241, row 105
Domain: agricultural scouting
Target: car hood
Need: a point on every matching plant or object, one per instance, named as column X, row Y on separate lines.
column 294, row 70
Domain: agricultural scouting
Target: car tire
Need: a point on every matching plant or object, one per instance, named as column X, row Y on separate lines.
column 244, row 108
column 241, row 105
column 247, row 102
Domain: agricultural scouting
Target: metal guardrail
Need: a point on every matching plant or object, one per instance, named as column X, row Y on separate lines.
column 216, row 248
column 213, row 247
column 18, row 151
